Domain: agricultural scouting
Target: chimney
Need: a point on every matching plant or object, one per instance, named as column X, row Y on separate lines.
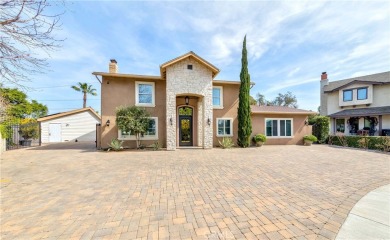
column 324, row 76
column 113, row 66
column 324, row 96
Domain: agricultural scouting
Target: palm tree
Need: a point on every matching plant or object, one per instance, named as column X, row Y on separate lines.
column 85, row 89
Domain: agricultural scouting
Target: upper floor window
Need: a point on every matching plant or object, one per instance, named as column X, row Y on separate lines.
column 362, row 93
column 217, row 97
column 278, row 127
column 150, row 134
column 224, row 127
column 347, row 95
column 144, row 94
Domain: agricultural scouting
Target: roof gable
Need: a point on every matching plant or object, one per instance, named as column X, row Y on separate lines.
column 63, row 114
column 378, row 78
column 205, row 63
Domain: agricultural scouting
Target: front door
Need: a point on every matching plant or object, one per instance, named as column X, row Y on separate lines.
column 185, row 130
column 55, row 132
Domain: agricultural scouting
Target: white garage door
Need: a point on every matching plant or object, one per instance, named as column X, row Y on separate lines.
column 55, row 132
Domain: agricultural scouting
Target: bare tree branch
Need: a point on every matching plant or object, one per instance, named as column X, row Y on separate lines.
column 25, row 32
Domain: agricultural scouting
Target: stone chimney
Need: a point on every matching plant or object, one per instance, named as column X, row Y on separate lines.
column 324, row 96
column 113, row 66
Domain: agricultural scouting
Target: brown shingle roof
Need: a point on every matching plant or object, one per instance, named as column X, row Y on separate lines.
column 378, row 78
column 280, row 110
column 362, row 112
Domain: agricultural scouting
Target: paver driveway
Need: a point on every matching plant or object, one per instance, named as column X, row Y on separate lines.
column 270, row 192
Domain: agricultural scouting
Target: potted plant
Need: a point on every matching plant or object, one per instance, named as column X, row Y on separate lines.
column 259, row 139
column 309, row 139
column 28, row 130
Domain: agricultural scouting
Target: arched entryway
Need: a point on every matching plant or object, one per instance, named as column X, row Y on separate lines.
column 186, row 126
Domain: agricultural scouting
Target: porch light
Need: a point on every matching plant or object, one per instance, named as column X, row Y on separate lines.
column 170, row 120
column 187, row 100
column 108, row 123
column 208, row 121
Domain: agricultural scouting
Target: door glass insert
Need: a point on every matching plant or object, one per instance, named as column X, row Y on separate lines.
column 185, row 130
column 185, row 126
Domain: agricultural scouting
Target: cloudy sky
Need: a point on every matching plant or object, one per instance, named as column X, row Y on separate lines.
column 289, row 43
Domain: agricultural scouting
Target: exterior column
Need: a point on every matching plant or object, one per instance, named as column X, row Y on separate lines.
column 208, row 114
column 200, row 122
column 171, row 118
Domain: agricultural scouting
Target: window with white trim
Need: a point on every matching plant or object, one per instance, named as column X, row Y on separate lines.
column 150, row 134
column 280, row 127
column 144, row 94
column 218, row 97
column 362, row 93
column 224, row 127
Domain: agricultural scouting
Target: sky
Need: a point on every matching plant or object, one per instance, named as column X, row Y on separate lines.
column 289, row 43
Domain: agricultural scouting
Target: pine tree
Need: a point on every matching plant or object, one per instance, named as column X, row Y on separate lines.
column 244, row 110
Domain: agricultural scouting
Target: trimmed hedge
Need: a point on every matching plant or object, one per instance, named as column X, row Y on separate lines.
column 374, row 142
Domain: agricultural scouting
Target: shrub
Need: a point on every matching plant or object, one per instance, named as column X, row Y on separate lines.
column 226, row 143
column 156, row 146
column 363, row 142
column 259, row 138
column 29, row 128
column 115, row 145
column 385, row 144
column 367, row 142
column 320, row 128
column 311, row 138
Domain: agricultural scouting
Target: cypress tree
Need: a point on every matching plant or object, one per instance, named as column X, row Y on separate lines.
column 244, row 109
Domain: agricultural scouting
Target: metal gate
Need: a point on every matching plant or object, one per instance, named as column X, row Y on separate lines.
column 22, row 136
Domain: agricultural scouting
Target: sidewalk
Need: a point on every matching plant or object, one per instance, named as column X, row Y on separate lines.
column 369, row 218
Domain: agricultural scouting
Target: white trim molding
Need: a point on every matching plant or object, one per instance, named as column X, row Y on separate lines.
column 145, row 137
column 279, row 128
column 231, row 127
column 137, row 103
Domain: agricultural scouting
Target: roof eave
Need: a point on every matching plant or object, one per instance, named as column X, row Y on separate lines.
column 122, row 75
column 286, row 113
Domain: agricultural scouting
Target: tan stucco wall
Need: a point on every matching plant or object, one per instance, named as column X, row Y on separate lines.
column 121, row 92
column 299, row 128
column 230, row 106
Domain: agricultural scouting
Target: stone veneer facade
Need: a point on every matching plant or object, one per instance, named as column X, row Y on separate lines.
column 184, row 82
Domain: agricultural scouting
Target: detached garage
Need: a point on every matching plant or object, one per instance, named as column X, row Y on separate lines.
column 79, row 124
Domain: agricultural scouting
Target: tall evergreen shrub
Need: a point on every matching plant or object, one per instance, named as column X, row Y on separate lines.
column 244, row 109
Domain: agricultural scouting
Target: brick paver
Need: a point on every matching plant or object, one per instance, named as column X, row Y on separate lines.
column 272, row 192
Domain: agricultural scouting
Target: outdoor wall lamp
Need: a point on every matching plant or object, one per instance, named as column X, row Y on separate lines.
column 171, row 121
column 108, row 123
column 187, row 100
column 208, row 121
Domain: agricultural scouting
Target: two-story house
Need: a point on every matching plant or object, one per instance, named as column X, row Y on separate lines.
column 189, row 107
column 357, row 106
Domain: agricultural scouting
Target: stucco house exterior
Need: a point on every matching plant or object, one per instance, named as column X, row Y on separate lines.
column 188, row 107
column 358, row 105
column 79, row 124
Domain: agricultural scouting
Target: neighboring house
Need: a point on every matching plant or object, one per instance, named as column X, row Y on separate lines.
column 79, row 124
column 357, row 106
column 188, row 107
